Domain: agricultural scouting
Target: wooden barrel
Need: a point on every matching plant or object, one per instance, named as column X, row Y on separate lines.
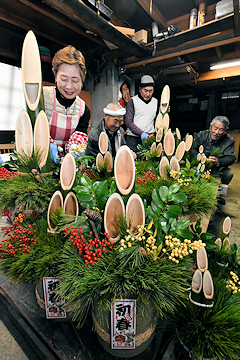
column 146, row 322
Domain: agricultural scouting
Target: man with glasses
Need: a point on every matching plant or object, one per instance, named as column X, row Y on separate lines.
column 111, row 125
column 219, row 149
column 141, row 113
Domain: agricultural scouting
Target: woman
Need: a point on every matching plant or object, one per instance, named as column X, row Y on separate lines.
column 68, row 115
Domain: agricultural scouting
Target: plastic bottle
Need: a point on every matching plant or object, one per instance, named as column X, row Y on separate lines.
column 201, row 14
column 154, row 29
column 193, row 18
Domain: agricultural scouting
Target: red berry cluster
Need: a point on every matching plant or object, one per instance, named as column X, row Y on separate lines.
column 149, row 176
column 92, row 249
column 19, row 240
column 88, row 173
column 6, row 174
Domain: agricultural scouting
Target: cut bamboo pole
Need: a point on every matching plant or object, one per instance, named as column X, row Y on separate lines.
column 68, row 172
column 135, row 213
column 208, row 288
column 165, row 98
column 24, row 134
column 41, row 139
column 180, row 150
column 174, row 164
column 163, row 167
column 169, row 143
column 70, row 205
column 113, row 209
column 56, row 203
column 103, row 142
column 108, row 161
column 202, row 259
column 124, row 170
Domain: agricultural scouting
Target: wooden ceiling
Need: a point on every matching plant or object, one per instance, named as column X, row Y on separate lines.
column 181, row 60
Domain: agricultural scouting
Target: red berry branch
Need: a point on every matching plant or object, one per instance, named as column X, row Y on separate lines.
column 149, row 176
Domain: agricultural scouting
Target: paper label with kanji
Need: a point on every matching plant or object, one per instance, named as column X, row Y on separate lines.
column 123, row 324
column 54, row 304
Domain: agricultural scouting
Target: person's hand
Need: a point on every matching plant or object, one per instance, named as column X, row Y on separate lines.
column 214, row 160
column 76, row 150
column 53, row 153
column 144, row 136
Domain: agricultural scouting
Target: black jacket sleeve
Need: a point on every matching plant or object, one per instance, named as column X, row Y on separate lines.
column 84, row 121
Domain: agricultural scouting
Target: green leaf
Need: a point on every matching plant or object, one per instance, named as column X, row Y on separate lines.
column 156, row 198
column 173, row 189
column 81, row 189
column 174, row 209
column 179, row 197
column 86, row 181
column 185, row 234
column 166, row 228
column 163, row 192
column 155, row 208
column 183, row 224
column 210, row 245
column 207, row 236
column 169, row 215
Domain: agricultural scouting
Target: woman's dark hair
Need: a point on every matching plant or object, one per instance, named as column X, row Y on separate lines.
column 125, row 83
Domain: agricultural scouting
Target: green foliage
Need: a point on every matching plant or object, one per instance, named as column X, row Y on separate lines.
column 165, row 210
column 43, row 258
column 120, row 273
column 28, row 162
column 210, row 332
column 27, row 189
column 94, row 194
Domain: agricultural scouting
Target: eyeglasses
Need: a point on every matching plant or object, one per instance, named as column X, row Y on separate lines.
column 116, row 121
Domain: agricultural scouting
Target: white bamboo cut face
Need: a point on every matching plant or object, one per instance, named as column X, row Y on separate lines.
column 174, row 164
column 226, row 244
column 103, row 142
column 24, row 134
column 164, row 164
column 178, row 133
column 67, row 172
column 166, row 122
column 113, row 209
column 188, row 142
column 165, row 98
column 197, row 281
column 124, row 170
column 159, row 122
column 159, row 134
column 226, row 225
column 202, row 259
column 56, row 203
column 31, row 71
column 153, row 148
column 201, row 149
column 108, row 161
column 208, row 288
column 180, row 150
column 159, row 149
column 99, row 161
column 70, row 205
column 41, row 137
column 169, row 143
column 135, row 213
column 218, row 242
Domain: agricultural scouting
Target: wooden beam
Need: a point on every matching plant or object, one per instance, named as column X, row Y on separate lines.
column 156, row 14
column 236, row 17
column 168, row 54
column 79, row 12
column 220, row 74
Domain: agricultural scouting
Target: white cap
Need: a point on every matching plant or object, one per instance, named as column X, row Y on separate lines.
column 146, row 80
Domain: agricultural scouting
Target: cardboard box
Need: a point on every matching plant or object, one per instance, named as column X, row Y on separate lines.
column 224, row 7
column 140, row 36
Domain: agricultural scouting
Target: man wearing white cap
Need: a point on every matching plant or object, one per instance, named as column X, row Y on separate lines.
column 141, row 113
column 111, row 125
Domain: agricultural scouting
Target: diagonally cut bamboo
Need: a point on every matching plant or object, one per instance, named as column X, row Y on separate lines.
column 188, row 142
column 208, row 288
column 103, row 142
column 124, row 170
column 202, row 259
column 70, row 205
column 169, row 143
column 41, row 137
column 135, row 213
column 159, row 149
column 197, row 281
column 24, row 134
column 178, row 133
column 159, row 122
column 56, row 203
column 159, row 134
column 99, row 161
column 166, row 122
column 226, row 225
column 165, row 98
column 153, row 148
column 180, row 150
column 163, row 166
column 31, row 71
column 67, row 172
column 108, row 161
column 113, row 209
column 174, row 164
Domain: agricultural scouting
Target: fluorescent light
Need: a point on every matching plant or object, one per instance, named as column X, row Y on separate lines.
column 225, row 64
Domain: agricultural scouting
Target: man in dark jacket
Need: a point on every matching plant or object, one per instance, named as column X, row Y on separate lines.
column 111, row 125
column 217, row 139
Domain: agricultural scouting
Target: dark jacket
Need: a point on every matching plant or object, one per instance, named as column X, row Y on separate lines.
column 225, row 143
column 93, row 136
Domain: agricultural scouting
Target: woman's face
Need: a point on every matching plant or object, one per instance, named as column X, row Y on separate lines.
column 68, row 79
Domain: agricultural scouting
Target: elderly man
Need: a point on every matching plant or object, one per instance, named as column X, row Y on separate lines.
column 217, row 139
column 111, row 124
column 141, row 113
